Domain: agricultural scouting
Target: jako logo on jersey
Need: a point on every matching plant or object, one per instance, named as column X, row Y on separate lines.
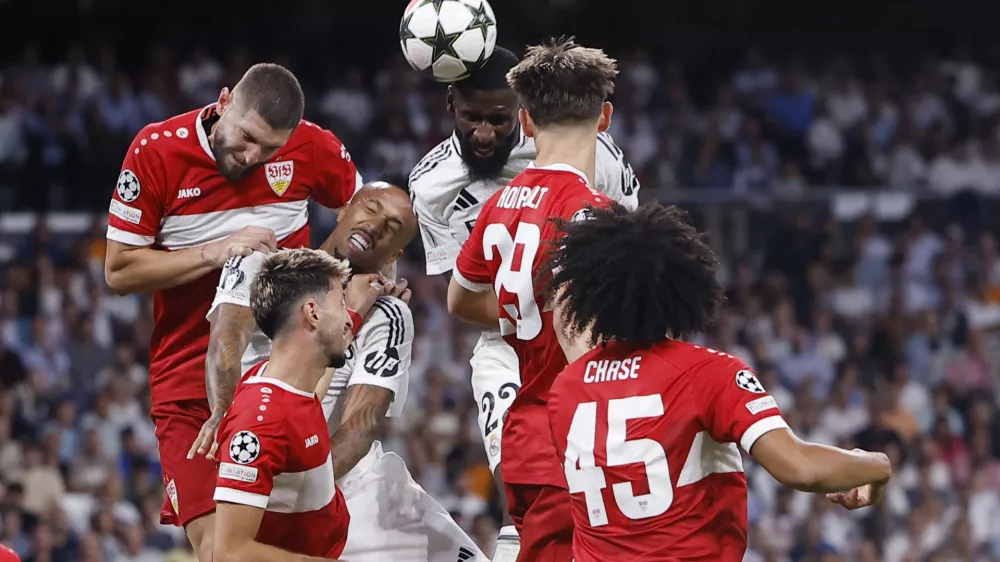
column 312, row 440
column 189, row 192
column 279, row 175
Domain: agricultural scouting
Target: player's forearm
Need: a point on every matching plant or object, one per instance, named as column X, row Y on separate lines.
column 142, row 270
column 364, row 410
column 477, row 308
column 811, row 467
column 253, row 551
column 232, row 328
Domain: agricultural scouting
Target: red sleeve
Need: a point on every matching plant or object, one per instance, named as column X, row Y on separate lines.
column 137, row 202
column 471, row 269
column 339, row 178
column 732, row 403
column 253, row 449
column 574, row 208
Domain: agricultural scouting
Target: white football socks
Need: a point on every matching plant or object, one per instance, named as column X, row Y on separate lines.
column 508, row 545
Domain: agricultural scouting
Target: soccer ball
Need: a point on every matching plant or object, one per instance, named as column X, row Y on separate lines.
column 448, row 39
column 244, row 447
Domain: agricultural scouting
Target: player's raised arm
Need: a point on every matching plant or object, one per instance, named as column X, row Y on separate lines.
column 470, row 294
column 384, row 348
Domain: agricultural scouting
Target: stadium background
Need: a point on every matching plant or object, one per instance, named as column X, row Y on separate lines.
column 853, row 211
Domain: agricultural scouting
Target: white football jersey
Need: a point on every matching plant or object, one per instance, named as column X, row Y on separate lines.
column 447, row 201
column 379, row 355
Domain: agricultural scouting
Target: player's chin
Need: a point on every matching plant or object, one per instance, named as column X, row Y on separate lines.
column 338, row 360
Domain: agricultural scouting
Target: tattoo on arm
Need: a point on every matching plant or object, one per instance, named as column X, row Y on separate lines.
column 232, row 327
column 365, row 408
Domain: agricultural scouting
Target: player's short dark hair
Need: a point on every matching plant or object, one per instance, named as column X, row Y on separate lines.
column 560, row 82
column 274, row 93
column 492, row 76
column 285, row 278
column 635, row 277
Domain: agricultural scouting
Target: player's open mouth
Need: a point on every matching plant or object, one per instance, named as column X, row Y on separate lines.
column 483, row 152
column 360, row 241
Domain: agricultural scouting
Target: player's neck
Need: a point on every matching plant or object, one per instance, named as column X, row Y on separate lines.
column 573, row 145
column 297, row 363
column 574, row 347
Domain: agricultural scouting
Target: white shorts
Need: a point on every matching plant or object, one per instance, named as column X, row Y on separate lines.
column 394, row 520
column 495, row 382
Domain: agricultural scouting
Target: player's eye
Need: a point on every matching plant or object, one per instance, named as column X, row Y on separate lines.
column 498, row 120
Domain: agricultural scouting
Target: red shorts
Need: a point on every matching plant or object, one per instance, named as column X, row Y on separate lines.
column 190, row 483
column 543, row 519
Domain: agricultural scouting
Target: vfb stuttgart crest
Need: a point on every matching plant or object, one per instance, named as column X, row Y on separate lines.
column 279, row 175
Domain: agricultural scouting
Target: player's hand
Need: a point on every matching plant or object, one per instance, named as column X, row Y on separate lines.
column 206, row 443
column 364, row 289
column 401, row 291
column 857, row 498
column 244, row 242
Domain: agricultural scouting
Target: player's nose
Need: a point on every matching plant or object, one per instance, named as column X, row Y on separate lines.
column 252, row 154
column 485, row 135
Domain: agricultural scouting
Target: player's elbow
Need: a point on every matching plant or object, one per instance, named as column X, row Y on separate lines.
column 117, row 282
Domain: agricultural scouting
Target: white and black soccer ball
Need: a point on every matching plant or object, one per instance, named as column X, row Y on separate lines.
column 448, row 39
column 244, row 447
column 128, row 186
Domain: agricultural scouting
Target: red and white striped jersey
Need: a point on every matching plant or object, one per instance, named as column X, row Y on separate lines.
column 171, row 196
column 649, row 440
column 275, row 455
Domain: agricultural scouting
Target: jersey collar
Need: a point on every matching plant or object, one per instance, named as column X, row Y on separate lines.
column 199, row 127
column 560, row 167
column 260, row 378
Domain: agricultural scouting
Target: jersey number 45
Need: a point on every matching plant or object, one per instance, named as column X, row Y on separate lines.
column 517, row 254
column 584, row 475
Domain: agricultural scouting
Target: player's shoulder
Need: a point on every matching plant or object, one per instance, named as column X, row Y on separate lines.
column 606, row 146
column 162, row 139
column 437, row 164
column 392, row 316
column 309, row 136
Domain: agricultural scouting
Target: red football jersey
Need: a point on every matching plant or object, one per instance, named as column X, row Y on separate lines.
column 275, row 454
column 506, row 250
column 171, row 196
column 649, row 439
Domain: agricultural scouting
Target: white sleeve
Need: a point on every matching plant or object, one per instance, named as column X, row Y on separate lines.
column 614, row 175
column 440, row 246
column 234, row 282
column 384, row 348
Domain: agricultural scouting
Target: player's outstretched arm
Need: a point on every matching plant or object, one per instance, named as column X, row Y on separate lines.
column 811, row 467
column 235, row 529
column 478, row 307
column 138, row 269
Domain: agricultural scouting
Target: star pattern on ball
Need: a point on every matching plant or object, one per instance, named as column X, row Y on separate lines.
column 404, row 29
column 442, row 43
column 480, row 19
column 437, row 5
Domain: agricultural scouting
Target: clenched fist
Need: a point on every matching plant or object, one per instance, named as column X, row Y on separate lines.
column 244, row 242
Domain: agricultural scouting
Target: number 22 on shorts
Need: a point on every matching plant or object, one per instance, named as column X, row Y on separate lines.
column 517, row 254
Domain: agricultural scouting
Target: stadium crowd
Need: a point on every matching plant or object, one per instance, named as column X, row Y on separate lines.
column 886, row 338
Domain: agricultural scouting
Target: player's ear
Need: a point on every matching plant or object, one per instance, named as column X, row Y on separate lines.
column 527, row 125
column 450, row 100
column 225, row 98
column 310, row 309
column 605, row 121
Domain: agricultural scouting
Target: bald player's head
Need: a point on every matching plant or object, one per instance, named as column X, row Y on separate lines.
column 374, row 227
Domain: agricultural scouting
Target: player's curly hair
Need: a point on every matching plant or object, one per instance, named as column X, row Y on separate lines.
column 560, row 82
column 635, row 277
column 285, row 278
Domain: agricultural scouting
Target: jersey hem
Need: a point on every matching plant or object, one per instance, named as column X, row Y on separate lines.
column 240, row 497
column 129, row 238
column 759, row 428
column 468, row 284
